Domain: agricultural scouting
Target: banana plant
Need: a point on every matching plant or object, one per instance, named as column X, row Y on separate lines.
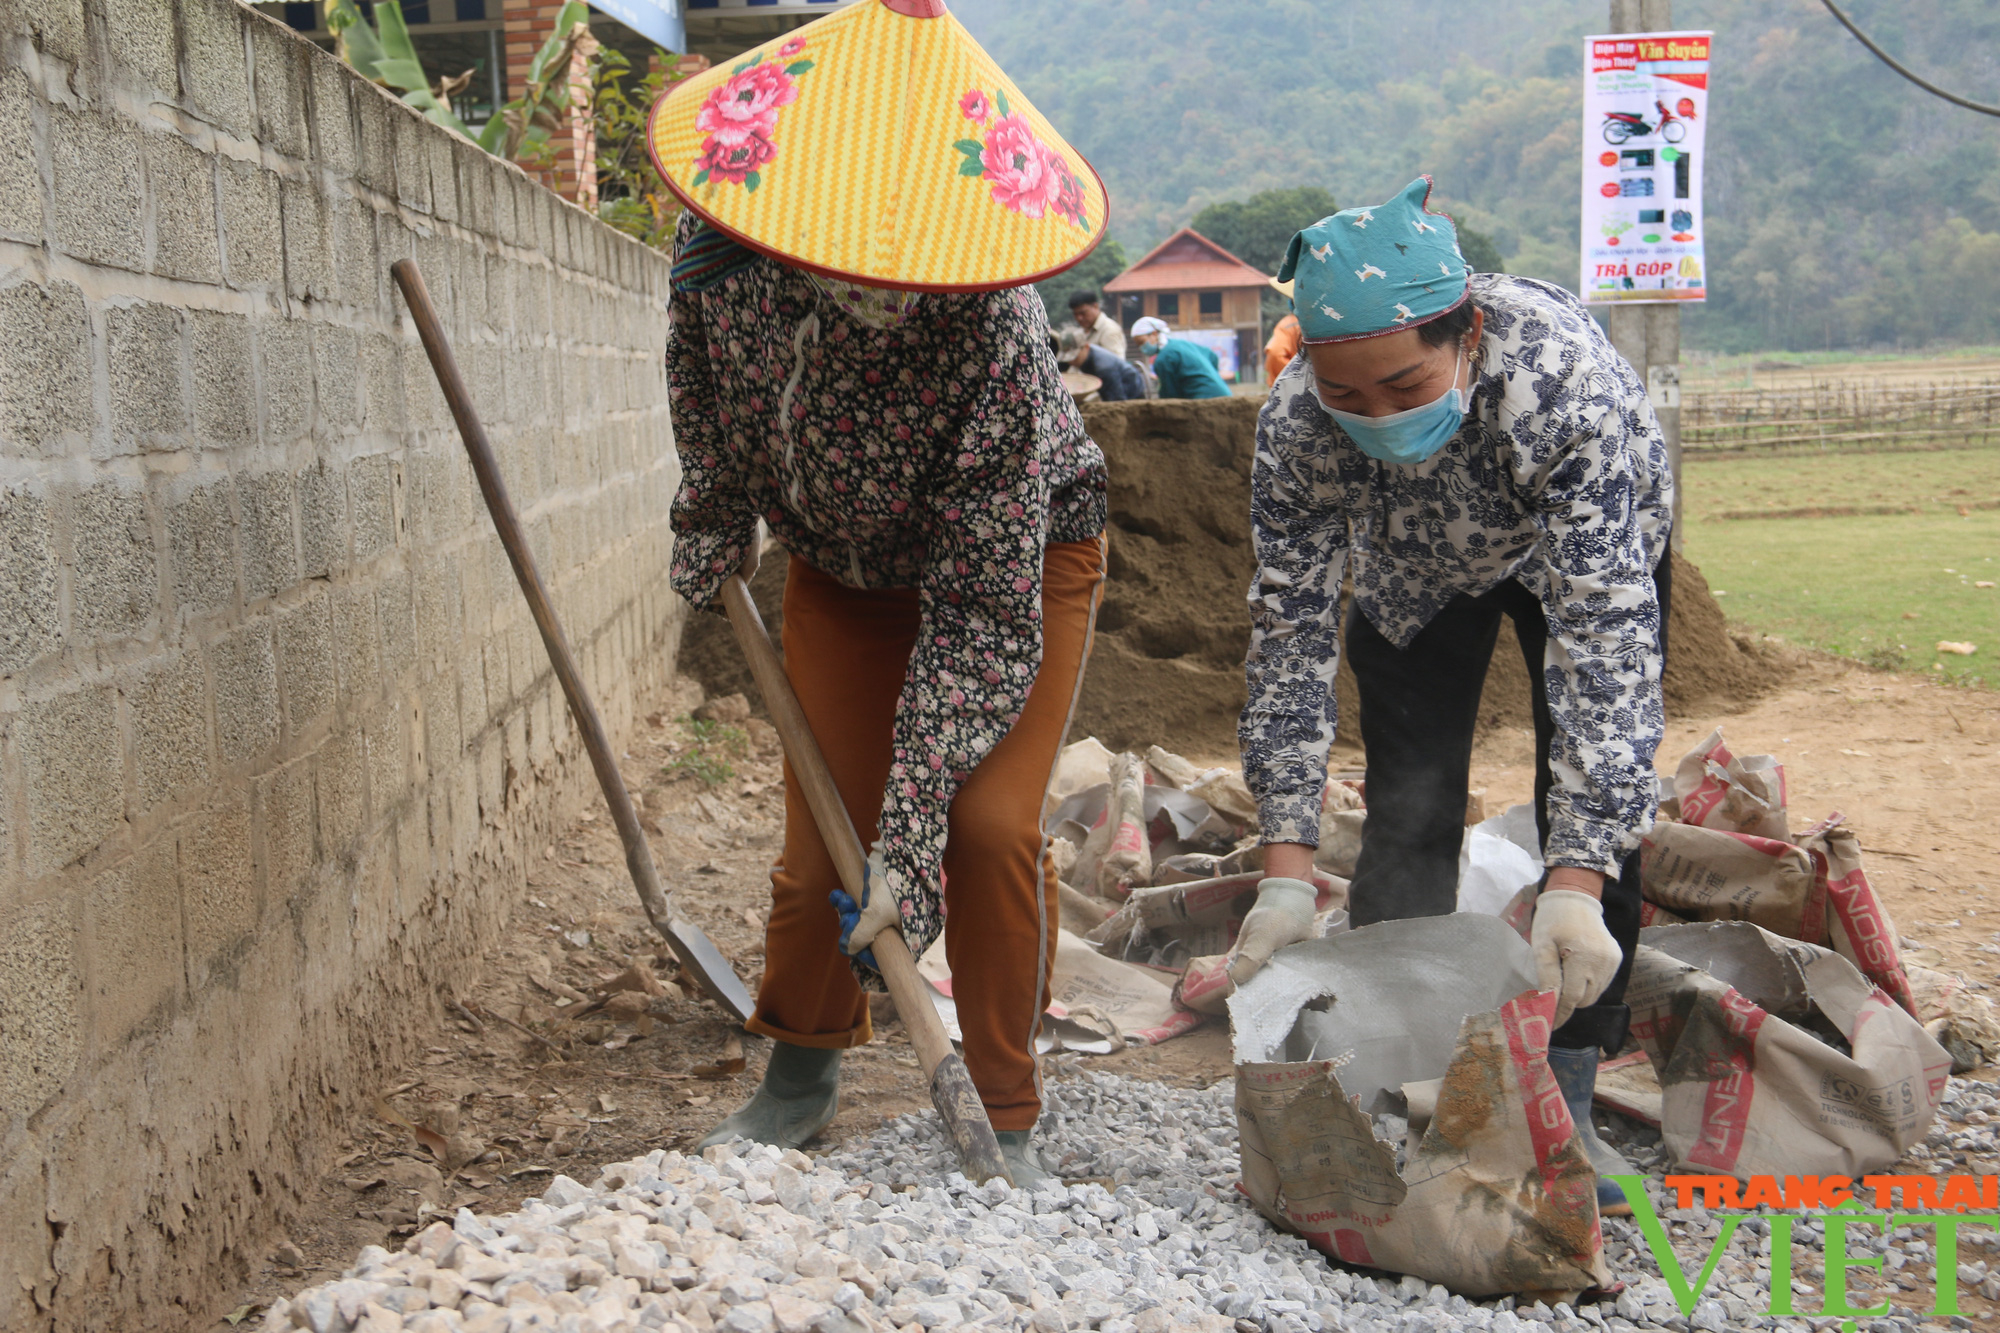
column 384, row 54
column 522, row 129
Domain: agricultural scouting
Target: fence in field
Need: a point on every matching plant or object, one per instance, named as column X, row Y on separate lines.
column 1844, row 415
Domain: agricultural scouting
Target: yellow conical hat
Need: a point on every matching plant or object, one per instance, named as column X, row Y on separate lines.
column 880, row 144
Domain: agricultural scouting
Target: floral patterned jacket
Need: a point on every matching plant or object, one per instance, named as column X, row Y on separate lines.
column 1559, row 478
column 941, row 454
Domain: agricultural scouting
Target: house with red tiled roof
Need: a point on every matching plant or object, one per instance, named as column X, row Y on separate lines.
column 1200, row 290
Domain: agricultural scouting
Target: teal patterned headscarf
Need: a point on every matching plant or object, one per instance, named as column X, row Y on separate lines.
column 1366, row 271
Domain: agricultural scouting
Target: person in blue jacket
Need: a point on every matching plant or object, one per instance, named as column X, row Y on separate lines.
column 1185, row 369
column 1119, row 380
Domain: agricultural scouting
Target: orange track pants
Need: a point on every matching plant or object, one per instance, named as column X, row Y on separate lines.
column 847, row 651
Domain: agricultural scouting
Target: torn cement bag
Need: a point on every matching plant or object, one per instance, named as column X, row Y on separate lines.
column 1118, row 848
column 1777, row 1057
column 1082, row 764
column 1857, row 921
column 1096, row 1005
column 1957, row 1017
column 1734, row 793
column 1169, row 769
column 1177, row 823
column 1710, row 875
column 1340, row 841
column 1226, row 794
column 1133, row 1005
column 1652, row 914
column 1169, row 925
column 1072, row 821
column 1497, row 1195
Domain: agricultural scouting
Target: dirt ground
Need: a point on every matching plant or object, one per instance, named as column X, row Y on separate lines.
column 1914, row 765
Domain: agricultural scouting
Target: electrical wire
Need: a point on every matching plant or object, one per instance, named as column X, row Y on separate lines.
column 1892, row 63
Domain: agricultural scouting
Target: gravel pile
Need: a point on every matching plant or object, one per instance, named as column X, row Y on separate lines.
column 884, row 1234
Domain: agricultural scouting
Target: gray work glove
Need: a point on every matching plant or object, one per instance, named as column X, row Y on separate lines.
column 1575, row 955
column 1283, row 915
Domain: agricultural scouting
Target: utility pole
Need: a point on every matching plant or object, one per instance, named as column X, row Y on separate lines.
column 1649, row 336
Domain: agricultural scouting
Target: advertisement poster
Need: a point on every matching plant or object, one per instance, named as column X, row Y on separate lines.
column 1645, row 107
column 1222, row 342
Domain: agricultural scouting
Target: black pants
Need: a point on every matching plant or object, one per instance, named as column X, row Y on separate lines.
column 1419, row 708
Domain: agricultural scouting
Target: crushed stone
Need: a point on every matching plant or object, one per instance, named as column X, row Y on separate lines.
column 1145, row 1234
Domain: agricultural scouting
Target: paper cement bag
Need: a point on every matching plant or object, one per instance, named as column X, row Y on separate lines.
column 1737, row 794
column 1857, row 921
column 1710, row 875
column 1496, row 1194
column 1227, row 795
column 1118, row 845
column 1132, row 1004
column 1082, row 764
column 1097, row 1005
column 1777, row 1057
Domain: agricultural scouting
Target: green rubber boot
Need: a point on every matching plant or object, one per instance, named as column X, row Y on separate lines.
column 797, row 1099
column 1023, row 1162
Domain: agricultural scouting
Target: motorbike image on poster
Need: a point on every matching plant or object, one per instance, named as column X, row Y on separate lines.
column 1645, row 105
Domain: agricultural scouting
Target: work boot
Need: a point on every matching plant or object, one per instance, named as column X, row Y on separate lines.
column 1023, row 1162
column 1576, row 1076
column 796, row 1100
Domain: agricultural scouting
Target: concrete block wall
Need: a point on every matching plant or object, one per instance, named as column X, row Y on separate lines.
column 275, row 729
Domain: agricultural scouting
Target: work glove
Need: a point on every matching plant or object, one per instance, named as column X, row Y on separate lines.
column 1283, row 915
column 1574, row 953
column 877, row 911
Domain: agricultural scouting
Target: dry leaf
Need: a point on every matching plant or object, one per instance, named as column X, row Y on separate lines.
column 732, row 1061
column 605, row 1104
column 644, row 1024
column 751, row 918
column 360, row 1183
column 451, row 1151
column 626, row 1006
column 638, row 977
column 1957, row 649
column 702, row 1100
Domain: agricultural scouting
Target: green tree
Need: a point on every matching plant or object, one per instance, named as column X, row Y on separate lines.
column 1480, row 252
column 1844, row 206
column 1098, row 267
column 1259, row 229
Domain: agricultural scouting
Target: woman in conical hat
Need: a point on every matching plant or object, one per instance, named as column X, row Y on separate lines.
column 855, row 360
column 1468, row 446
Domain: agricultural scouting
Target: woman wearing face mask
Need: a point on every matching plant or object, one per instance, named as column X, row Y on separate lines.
column 886, row 402
column 1468, row 448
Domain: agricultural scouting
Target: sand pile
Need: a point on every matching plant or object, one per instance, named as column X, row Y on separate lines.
column 1170, row 639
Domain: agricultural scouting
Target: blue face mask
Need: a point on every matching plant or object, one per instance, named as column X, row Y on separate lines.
column 1410, row 436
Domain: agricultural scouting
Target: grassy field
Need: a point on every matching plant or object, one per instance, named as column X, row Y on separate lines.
column 1881, row 587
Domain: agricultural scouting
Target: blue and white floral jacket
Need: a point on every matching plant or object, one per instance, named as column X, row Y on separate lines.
column 1559, row 478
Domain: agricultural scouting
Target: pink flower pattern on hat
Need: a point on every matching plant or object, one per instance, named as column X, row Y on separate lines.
column 740, row 116
column 1023, row 174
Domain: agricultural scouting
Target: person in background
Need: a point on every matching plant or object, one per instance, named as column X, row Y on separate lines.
column 1184, row 369
column 1467, row 448
column 1100, row 328
column 1285, row 339
column 1120, row 380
